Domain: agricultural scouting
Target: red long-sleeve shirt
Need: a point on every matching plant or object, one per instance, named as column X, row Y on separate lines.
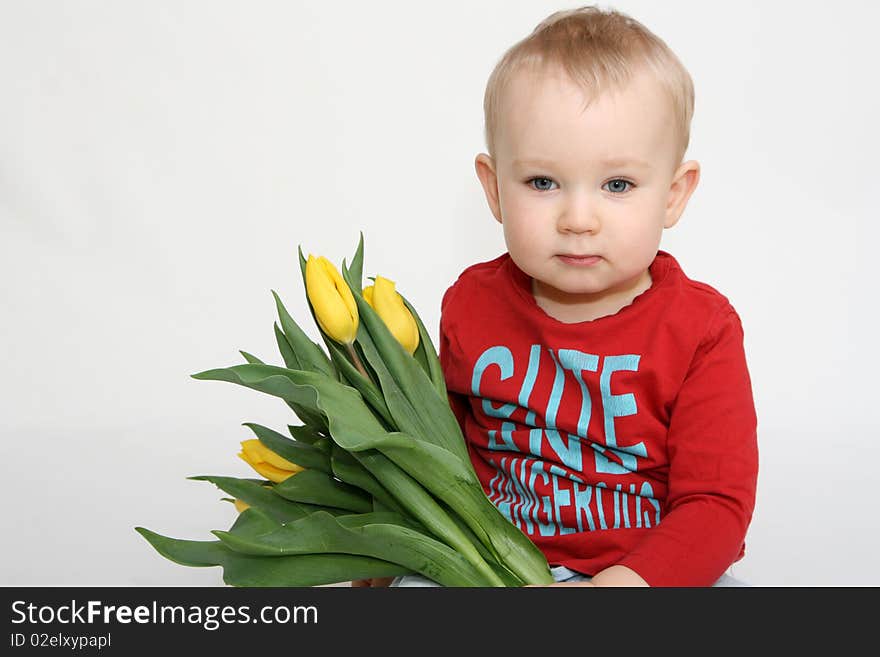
column 630, row 439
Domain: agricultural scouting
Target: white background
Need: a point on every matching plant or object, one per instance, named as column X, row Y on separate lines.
column 160, row 162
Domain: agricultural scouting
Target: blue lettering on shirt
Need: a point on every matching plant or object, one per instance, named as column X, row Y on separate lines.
column 618, row 406
column 564, row 503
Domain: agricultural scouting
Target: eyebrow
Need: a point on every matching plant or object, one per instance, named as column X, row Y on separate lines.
column 611, row 162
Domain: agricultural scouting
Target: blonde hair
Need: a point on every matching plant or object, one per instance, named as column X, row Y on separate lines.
column 599, row 51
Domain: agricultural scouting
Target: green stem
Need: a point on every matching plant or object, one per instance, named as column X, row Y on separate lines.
column 424, row 508
column 349, row 346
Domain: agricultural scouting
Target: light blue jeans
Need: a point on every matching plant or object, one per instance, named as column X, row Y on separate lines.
column 560, row 574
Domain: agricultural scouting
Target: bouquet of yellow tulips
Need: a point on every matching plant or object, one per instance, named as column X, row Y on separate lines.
column 376, row 482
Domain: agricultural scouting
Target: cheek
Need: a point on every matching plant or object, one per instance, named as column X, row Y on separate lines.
column 511, row 199
column 522, row 240
column 525, row 210
column 515, row 213
column 522, row 227
column 642, row 219
column 514, row 233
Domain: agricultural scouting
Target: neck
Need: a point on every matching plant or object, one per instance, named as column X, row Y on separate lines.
column 570, row 309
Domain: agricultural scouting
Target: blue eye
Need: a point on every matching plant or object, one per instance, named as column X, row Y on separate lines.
column 619, row 180
column 541, row 179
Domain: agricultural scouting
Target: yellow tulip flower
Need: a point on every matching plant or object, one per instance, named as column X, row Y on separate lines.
column 389, row 305
column 334, row 304
column 266, row 462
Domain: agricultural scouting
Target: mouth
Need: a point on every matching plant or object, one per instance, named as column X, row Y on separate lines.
column 579, row 259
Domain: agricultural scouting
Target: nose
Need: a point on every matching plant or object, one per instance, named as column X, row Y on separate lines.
column 579, row 215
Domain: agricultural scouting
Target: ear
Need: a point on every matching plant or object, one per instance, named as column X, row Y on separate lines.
column 485, row 167
column 684, row 182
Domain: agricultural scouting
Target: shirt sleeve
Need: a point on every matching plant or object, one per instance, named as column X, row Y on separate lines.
column 457, row 401
column 713, row 467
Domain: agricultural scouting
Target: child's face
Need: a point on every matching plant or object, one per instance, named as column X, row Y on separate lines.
column 557, row 193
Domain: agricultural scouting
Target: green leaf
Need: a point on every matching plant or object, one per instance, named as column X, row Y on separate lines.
column 307, row 354
column 324, row 444
column 253, row 522
column 313, row 420
column 308, row 415
column 244, row 570
column 504, row 573
column 380, row 535
column 196, row 554
column 304, row 434
column 263, row 498
column 410, row 494
column 357, row 262
column 303, row 261
column 284, row 348
column 344, row 404
column 421, row 357
column 366, row 387
column 461, row 490
column 405, row 417
column 341, row 405
column 427, row 355
column 270, row 379
column 249, row 357
column 303, row 454
column 315, row 487
column 347, row 468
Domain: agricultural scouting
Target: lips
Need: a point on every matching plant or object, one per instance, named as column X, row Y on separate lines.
column 579, row 260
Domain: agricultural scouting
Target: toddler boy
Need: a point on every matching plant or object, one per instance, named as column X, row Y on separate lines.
column 604, row 395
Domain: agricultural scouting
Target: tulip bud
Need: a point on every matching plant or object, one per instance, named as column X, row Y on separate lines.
column 241, row 506
column 266, row 462
column 332, row 300
column 389, row 305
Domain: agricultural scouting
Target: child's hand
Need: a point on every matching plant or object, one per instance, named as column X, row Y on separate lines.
column 611, row 576
column 372, row 583
column 533, row 586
